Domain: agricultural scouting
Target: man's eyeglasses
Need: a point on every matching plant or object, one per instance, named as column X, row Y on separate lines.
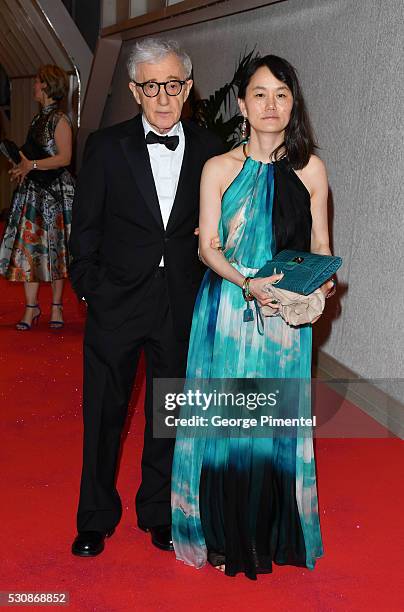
column 151, row 89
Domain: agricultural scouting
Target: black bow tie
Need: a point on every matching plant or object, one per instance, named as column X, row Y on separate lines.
column 171, row 142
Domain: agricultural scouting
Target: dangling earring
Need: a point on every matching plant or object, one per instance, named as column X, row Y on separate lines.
column 243, row 129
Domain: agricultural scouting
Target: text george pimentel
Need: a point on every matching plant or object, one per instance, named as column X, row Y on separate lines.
column 245, row 423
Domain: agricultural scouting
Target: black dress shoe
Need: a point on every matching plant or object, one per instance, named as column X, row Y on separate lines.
column 90, row 543
column 160, row 536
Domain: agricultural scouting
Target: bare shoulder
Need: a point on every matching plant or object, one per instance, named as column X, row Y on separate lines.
column 62, row 123
column 314, row 174
column 315, row 166
column 228, row 160
column 224, row 168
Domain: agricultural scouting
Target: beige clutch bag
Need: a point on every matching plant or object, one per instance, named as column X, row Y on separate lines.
column 295, row 309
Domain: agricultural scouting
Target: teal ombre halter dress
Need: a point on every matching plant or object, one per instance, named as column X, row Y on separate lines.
column 253, row 500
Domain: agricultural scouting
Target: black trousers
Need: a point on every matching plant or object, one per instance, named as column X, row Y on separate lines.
column 110, row 363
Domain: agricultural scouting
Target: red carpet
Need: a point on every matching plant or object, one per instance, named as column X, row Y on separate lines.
column 360, row 489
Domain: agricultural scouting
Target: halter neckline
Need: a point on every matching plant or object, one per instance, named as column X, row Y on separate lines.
column 270, row 163
column 49, row 107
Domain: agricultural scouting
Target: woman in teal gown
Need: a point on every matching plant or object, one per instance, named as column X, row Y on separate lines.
column 240, row 502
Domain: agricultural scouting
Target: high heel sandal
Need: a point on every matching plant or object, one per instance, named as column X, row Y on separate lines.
column 56, row 324
column 23, row 325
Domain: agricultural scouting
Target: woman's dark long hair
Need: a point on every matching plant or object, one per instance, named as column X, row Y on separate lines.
column 299, row 139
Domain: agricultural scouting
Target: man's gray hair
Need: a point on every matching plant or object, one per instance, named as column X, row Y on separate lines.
column 152, row 51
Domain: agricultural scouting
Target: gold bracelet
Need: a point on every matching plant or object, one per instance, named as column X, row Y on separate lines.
column 245, row 288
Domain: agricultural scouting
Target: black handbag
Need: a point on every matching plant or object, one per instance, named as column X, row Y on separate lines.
column 10, row 150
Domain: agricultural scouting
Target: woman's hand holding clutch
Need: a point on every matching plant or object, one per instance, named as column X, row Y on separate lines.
column 328, row 289
column 296, row 308
column 256, row 284
column 256, row 288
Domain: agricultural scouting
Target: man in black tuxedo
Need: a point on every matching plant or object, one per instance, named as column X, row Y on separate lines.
column 135, row 262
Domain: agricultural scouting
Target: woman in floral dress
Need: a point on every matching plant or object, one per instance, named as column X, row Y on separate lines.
column 34, row 245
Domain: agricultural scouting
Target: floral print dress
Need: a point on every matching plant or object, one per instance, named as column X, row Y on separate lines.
column 34, row 246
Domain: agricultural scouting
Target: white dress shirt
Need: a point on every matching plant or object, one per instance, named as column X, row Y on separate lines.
column 166, row 168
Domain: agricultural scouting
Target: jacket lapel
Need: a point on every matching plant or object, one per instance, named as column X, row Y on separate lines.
column 135, row 150
column 184, row 188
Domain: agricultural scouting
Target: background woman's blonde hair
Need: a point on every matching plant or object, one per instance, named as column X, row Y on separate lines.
column 56, row 79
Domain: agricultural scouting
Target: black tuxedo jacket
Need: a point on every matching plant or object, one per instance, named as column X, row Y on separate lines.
column 118, row 236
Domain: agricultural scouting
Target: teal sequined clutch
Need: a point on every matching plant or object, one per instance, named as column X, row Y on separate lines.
column 303, row 272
